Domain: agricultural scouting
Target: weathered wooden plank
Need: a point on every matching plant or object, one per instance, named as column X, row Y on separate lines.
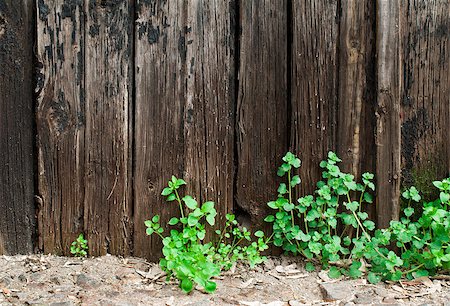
column 388, row 111
column 209, row 103
column 425, row 95
column 262, row 118
column 17, row 220
column 184, row 108
column 108, row 206
column 314, row 84
column 160, row 69
column 60, row 123
column 356, row 121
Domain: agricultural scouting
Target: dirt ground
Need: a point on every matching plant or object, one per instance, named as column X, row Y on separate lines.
column 109, row 280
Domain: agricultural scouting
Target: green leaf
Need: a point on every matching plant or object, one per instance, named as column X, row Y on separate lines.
column 288, row 206
column 211, row 219
column 149, row 231
column 354, row 272
column 190, row 202
column 259, row 234
column 333, row 157
column 155, row 218
column 373, row 278
column 438, row 184
column 272, row 204
column 420, row 273
column 334, row 272
column 269, row 218
column 201, row 235
column 295, row 180
column 444, row 197
column 296, row 163
column 171, row 197
column 370, row 225
column 174, row 221
column 368, row 198
column 282, row 189
column 210, row 286
column 281, row 172
column 288, row 157
column 408, row 211
column 362, row 215
column 180, row 182
column 166, row 191
column 207, row 207
column 192, row 220
column 186, row 285
column 352, row 206
column 148, row 223
column 310, row 267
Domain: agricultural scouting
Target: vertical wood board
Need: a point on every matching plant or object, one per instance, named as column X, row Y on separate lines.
column 425, row 94
column 60, row 123
column 262, row 120
column 356, row 121
column 388, row 111
column 184, row 108
column 17, row 220
column 108, row 132
column 160, row 71
column 314, row 85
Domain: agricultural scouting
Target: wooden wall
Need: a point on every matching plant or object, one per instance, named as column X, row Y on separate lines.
column 102, row 101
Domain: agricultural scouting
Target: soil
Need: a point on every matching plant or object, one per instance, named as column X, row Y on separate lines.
column 110, row 280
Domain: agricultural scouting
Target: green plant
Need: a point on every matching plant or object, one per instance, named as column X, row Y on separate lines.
column 187, row 256
column 79, row 247
column 311, row 226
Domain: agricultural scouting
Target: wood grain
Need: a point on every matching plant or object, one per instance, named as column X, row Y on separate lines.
column 184, row 108
column 425, row 94
column 17, row 220
column 314, row 85
column 209, row 104
column 388, row 111
column 262, row 119
column 356, row 121
column 61, row 121
column 108, row 205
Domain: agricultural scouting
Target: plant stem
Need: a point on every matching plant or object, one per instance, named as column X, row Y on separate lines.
column 306, row 222
column 179, row 202
column 290, row 196
column 414, row 269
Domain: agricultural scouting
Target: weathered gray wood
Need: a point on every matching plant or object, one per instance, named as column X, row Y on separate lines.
column 17, row 219
column 262, row 118
column 314, row 85
column 388, row 111
column 425, row 95
column 108, row 206
column 356, row 121
column 184, row 108
column 60, row 123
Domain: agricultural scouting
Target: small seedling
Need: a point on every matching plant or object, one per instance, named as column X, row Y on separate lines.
column 79, row 247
